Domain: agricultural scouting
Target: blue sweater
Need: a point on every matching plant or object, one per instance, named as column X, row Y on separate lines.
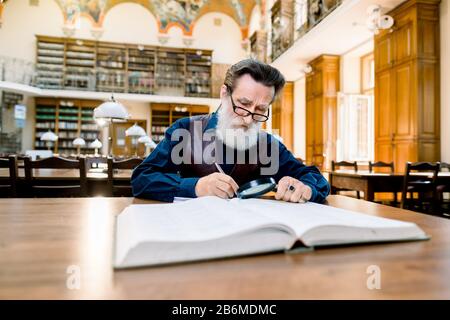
column 158, row 178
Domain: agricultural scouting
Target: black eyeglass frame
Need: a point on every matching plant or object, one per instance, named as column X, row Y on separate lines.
column 248, row 113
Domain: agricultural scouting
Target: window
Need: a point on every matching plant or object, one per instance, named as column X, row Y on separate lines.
column 367, row 74
column 355, row 127
column 356, row 117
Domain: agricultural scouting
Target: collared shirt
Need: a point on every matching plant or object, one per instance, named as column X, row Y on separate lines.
column 158, row 178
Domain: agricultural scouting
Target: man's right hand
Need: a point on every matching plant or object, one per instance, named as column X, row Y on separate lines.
column 216, row 184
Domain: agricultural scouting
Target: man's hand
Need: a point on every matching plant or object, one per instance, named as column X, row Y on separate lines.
column 216, row 184
column 292, row 190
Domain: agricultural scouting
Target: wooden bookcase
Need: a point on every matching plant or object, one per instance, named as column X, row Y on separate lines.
column 407, row 86
column 77, row 64
column 69, row 119
column 322, row 86
column 164, row 115
column 283, row 115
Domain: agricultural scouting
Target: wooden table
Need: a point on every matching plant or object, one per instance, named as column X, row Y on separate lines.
column 41, row 238
column 68, row 174
column 96, row 178
column 370, row 182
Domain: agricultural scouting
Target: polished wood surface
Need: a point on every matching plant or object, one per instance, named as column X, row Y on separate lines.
column 41, row 238
column 371, row 182
column 322, row 86
column 407, row 85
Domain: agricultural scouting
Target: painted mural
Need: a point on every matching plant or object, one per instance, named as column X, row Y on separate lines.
column 73, row 9
column 178, row 12
column 1, row 12
column 182, row 13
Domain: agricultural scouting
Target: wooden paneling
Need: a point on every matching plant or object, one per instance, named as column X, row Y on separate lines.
column 283, row 115
column 383, row 53
column 219, row 70
column 383, row 108
column 407, row 104
column 403, row 100
column 322, row 85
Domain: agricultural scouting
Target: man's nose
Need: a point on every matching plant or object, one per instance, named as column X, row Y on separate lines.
column 248, row 120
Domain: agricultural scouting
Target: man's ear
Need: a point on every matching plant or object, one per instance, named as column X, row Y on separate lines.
column 223, row 91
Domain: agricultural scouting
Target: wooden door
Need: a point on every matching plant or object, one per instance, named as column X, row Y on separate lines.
column 309, row 130
column 318, row 120
column 404, row 100
column 383, row 52
column 384, row 112
column 124, row 146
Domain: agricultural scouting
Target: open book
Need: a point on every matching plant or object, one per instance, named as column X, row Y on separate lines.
column 210, row 227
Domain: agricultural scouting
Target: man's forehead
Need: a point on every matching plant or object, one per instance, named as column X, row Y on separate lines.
column 249, row 89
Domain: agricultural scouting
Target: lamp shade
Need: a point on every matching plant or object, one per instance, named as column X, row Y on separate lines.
column 49, row 136
column 96, row 144
column 144, row 139
column 79, row 142
column 111, row 110
column 151, row 144
column 147, row 141
column 135, row 131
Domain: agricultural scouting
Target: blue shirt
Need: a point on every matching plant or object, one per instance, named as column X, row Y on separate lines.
column 158, row 178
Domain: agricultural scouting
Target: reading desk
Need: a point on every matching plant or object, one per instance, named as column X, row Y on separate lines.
column 62, row 249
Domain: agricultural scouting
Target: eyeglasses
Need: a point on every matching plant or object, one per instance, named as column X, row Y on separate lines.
column 245, row 113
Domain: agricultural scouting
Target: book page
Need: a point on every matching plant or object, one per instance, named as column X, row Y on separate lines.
column 309, row 216
column 198, row 219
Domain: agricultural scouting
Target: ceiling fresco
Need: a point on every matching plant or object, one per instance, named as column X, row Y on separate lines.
column 180, row 13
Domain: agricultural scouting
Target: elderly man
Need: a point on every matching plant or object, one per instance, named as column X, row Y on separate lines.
column 180, row 166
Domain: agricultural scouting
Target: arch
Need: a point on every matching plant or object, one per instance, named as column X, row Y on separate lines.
column 142, row 29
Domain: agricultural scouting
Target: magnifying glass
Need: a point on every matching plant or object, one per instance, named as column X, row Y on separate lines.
column 256, row 188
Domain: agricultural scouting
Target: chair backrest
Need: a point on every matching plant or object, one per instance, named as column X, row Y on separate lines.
column 381, row 164
column 444, row 166
column 11, row 181
column 420, row 183
column 35, row 154
column 116, row 187
column 92, row 162
column 58, row 163
column 338, row 164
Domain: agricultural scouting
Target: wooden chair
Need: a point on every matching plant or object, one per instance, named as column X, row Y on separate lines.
column 381, row 164
column 92, row 162
column 444, row 203
column 390, row 167
column 120, row 187
column 8, row 186
column 423, row 185
column 56, row 187
column 336, row 165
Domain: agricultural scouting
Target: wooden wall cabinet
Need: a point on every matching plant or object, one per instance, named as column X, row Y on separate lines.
column 283, row 115
column 407, row 107
column 163, row 115
column 322, row 86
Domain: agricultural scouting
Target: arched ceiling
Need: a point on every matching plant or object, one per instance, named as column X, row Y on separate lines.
column 181, row 13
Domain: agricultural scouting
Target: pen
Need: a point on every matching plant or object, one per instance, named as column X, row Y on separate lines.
column 221, row 171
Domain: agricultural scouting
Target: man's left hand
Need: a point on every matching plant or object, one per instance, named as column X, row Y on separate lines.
column 292, row 190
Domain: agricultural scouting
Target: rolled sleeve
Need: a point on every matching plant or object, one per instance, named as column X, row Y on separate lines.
column 186, row 188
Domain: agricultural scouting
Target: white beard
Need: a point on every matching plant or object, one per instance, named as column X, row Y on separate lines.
column 234, row 134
